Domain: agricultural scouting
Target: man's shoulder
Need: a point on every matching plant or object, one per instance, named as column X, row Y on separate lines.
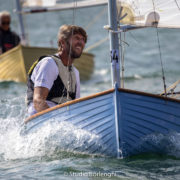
column 75, row 69
column 45, row 66
column 46, row 60
column 14, row 34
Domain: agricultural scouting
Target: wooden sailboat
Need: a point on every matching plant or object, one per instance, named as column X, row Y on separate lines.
column 15, row 64
column 126, row 122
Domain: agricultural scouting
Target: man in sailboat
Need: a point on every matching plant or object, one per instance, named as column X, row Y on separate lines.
column 8, row 38
column 54, row 80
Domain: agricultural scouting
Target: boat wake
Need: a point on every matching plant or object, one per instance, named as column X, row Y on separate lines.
column 168, row 144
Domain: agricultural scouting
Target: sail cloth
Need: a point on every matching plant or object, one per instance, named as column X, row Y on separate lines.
column 160, row 13
column 35, row 6
column 39, row 3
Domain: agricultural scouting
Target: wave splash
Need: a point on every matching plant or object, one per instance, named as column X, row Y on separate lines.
column 48, row 140
column 168, row 144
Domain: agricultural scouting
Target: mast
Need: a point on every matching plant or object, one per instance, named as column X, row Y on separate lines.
column 114, row 43
column 115, row 71
column 23, row 36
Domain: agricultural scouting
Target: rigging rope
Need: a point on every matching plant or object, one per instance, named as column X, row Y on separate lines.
column 95, row 19
column 69, row 68
column 122, row 60
column 160, row 54
column 74, row 11
column 69, row 56
column 122, row 44
column 177, row 4
column 90, row 24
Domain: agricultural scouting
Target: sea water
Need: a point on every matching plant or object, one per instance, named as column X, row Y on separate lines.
column 46, row 154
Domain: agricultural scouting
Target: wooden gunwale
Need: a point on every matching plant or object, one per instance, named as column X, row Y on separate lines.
column 149, row 95
column 68, row 103
column 96, row 95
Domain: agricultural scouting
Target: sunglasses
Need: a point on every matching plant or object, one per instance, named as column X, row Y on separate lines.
column 5, row 23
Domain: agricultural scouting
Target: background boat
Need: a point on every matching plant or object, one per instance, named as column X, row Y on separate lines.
column 15, row 64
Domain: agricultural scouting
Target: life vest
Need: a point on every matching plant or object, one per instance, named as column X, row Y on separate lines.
column 58, row 93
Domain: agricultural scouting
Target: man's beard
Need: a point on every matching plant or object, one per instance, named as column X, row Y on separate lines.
column 72, row 53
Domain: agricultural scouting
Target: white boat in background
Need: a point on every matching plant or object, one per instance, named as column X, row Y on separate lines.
column 15, row 64
column 126, row 122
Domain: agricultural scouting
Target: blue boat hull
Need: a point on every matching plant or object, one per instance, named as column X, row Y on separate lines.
column 125, row 122
column 146, row 122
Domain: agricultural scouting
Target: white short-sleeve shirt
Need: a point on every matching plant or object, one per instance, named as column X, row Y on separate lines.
column 44, row 75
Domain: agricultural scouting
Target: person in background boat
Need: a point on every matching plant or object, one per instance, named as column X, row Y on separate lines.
column 53, row 79
column 8, row 38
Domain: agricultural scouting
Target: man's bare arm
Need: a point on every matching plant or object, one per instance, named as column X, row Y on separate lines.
column 39, row 98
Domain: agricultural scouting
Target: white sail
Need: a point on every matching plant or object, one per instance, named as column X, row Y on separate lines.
column 160, row 13
column 39, row 3
column 34, row 6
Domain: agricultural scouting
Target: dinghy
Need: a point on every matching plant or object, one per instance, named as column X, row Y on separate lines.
column 125, row 122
